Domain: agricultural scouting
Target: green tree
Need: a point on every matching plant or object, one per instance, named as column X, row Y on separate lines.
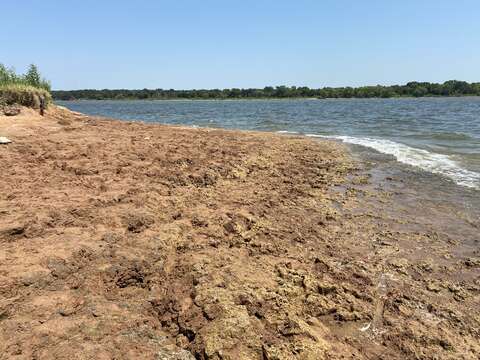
column 32, row 77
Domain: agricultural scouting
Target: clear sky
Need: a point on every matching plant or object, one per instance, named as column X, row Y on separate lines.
column 185, row 44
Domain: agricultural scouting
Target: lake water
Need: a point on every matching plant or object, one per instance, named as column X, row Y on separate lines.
column 436, row 135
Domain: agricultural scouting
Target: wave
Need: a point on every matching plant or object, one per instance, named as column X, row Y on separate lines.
column 444, row 136
column 432, row 162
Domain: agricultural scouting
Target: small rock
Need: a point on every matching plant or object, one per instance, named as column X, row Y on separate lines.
column 13, row 230
column 471, row 262
column 326, row 288
column 59, row 268
column 211, row 311
column 433, row 286
column 182, row 341
column 292, row 328
column 199, row 222
column 34, row 278
column 174, row 355
column 345, row 315
column 64, row 122
column 458, row 292
column 11, row 110
column 426, row 266
column 4, row 140
column 230, row 227
column 401, row 265
column 310, row 284
column 63, row 312
column 446, row 344
column 111, row 237
column 138, row 222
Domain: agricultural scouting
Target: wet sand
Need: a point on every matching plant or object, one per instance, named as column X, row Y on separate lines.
column 124, row 240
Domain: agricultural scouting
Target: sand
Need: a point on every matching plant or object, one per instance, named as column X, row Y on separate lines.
column 125, row 240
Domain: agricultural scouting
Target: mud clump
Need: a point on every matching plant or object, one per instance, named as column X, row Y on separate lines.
column 11, row 110
column 64, row 122
column 138, row 221
column 130, row 274
column 11, row 232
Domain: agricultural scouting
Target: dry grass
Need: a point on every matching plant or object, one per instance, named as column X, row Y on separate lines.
column 23, row 95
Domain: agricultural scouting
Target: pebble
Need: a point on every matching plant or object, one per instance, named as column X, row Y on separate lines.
column 4, row 140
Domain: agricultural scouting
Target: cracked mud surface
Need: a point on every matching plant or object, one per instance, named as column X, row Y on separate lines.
column 132, row 241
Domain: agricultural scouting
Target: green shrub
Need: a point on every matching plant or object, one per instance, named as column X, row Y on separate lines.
column 25, row 89
column 25, row 95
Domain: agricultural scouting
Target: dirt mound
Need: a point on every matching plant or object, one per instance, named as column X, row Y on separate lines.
column 127, row 241
column 10, row 110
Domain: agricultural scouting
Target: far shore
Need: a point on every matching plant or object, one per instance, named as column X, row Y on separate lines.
column 410, row 89
column 285, row 99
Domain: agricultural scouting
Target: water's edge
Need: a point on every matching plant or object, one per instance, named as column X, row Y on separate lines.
column 440, row 136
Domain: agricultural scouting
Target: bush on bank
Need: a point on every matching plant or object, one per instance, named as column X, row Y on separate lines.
column 25, row 95
column 26, row 89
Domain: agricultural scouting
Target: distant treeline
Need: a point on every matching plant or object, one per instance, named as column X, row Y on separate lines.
column 412, row 89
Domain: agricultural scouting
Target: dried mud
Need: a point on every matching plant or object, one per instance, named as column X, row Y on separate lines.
column 123, row 240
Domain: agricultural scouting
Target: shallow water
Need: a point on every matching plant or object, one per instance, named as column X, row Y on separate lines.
column 435, row 135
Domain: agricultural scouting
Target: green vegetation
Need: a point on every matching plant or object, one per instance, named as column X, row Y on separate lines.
column 412, row 89
column 26, row 89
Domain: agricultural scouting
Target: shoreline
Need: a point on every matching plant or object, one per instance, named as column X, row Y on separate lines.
column 444, row 164
column 171, row 241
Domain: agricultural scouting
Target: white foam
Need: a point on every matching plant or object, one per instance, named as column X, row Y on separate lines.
column 432, row 162
column 287, row 132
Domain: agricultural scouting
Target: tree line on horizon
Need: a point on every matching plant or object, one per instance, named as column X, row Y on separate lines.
column 411, row 89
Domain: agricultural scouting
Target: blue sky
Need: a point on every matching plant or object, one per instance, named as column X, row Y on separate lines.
column 185, row 44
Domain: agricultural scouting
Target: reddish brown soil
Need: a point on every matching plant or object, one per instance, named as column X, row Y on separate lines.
column 132, row 241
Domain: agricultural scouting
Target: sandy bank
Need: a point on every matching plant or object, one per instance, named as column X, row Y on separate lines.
column 136, row 241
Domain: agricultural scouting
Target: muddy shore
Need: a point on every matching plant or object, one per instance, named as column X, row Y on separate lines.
column 125, row 240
